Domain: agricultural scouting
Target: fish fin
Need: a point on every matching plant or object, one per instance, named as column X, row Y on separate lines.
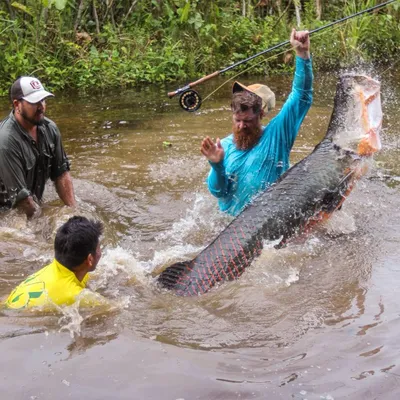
column 170, row 277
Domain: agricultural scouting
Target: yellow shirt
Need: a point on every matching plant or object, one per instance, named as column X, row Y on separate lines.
column 54, row 283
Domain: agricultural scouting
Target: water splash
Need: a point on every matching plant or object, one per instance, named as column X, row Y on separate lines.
column 169, row 256
column 114, row 262
column 340, row 223
column 200, row 222
column 71, row 320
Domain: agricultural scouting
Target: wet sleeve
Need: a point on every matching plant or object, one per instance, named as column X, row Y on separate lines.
column 217, row 181
column 12, row 172
column 60, row 162
column 298, row 103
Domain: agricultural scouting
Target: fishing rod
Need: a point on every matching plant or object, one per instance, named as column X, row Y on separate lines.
column 190, row 100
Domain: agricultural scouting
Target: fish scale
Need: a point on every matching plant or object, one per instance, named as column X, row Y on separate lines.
column 307, row 193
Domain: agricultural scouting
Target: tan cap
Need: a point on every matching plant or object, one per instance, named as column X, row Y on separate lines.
column 263, row 91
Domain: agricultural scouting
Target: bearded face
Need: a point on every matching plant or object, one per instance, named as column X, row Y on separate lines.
column 246, row 129
column 32, row 113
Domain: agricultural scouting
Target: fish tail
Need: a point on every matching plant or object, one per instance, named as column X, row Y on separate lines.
column 172, row 276
column 186, row 279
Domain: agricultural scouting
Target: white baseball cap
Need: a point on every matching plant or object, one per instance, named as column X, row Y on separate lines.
column 29, row 89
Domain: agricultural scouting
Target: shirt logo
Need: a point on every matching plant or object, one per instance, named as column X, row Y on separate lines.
column 35, row 85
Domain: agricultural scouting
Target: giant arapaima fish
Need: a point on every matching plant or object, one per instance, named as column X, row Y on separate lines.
column 308, row 192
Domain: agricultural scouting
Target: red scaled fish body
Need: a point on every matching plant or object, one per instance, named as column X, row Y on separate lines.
column 309, row 191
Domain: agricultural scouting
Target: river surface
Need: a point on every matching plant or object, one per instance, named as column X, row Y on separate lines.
column 318, row 319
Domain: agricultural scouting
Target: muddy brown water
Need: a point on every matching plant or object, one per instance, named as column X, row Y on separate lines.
column 318, row 319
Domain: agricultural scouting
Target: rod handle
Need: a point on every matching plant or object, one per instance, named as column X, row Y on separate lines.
column 190, row 85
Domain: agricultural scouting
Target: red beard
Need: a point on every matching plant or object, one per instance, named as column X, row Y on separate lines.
column 247, row 138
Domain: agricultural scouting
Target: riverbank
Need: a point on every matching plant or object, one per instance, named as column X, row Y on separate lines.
column 120, row 47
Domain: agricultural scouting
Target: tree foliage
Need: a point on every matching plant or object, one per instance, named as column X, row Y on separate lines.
column 104, row 43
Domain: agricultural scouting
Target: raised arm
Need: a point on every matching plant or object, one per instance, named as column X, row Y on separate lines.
column 292, row 114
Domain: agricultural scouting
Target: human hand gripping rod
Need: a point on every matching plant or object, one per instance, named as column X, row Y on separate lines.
column 190, row 100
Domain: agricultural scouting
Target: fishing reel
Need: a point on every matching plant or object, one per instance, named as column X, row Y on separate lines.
column 190, row 100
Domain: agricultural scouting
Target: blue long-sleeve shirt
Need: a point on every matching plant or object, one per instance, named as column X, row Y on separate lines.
column 244, row 173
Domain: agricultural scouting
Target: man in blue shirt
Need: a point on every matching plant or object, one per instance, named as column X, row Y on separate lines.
column 253, row 157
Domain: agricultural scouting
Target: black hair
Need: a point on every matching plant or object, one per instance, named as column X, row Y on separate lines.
column 10, row 95
column 75, row 240
column 245, row 100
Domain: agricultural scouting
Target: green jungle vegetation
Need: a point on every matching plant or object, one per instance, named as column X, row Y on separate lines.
column 100, row 44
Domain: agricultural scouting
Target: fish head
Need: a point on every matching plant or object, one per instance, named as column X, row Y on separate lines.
column 357, row 116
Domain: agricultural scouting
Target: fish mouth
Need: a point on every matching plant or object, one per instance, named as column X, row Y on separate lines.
column 361, row 115
column 370, row 97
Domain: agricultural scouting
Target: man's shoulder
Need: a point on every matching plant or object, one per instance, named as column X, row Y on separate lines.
column 51, row 124
column 48, row 285
column 8, row 132
column 56, row 276
column 33, row 286
column 50, row 129
column 228, row 140
column 42, row 273
column 6, row 123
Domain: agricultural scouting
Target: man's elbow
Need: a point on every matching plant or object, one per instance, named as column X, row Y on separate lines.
column 307, row 97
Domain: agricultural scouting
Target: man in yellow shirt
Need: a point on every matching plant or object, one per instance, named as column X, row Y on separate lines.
column 77, row 252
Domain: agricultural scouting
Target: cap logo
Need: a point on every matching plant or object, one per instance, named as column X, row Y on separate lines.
column 35, row 85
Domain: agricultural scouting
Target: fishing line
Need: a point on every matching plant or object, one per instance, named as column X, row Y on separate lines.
column 191, row 101
column 242, row 72
column 257, row 64
column 386, row 70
